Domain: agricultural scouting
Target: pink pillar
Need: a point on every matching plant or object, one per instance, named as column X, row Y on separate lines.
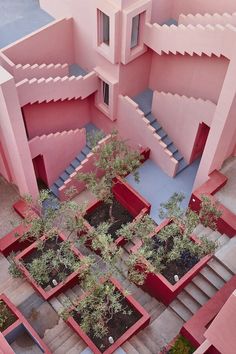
column 222, row 129
column 12, row 125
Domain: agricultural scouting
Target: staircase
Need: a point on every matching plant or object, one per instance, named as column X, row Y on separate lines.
column 204, row 285
column 75, row 163
column 208, row 19
column 189, row 39
column 27, row 71
column 54, row 89
column 144, row 100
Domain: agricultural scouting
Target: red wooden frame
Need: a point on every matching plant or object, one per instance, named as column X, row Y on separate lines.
column 139, row 325
column 227, row 222
column 70, row 280
column 158, row 286
column 20, row 320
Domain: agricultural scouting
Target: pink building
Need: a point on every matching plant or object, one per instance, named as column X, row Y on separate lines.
column 161, row 72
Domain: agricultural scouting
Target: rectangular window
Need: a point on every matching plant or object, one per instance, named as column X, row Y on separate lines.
column 104, row 28
column 135, row 31
column 105, row 89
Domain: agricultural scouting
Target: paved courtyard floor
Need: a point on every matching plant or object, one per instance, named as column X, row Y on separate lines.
column 19, row 18
column 157, row 187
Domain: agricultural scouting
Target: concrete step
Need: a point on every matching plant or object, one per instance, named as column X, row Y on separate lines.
column 198, row 229
column 69, row 344
column 205, row 232
column 196, row 293
column 139, row 345
column 181, row 166
column 222, row 241
column 52, row 333
column 212, row 277
column 71, row 295
column 64, row 300
column 181, row 310
column 189, row 301
column 77, row 290
column 224, row 273
column 59, row 340
column 128, row 348
column 148, row 341
column 81, row 348
column 56, row 304
column 144, row 298
column 204, row 285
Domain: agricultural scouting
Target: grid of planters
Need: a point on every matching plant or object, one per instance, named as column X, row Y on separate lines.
column 13, row 326
column 164, row 259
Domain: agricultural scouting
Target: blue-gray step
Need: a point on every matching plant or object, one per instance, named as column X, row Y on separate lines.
column 144, row 100
column 69, row 170
column 167, row 140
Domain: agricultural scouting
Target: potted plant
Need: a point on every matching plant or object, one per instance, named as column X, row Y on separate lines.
column 166, row 261
column 105, row 315
column 117, row 203
column 7, row 317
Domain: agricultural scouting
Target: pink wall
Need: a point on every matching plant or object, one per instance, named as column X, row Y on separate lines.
column 188, row 75
column 202, row 6
column 58, row 150
column 132, row 81
column 38, row 48
column 221, row 332
column 84, row 13
column 14, row 137
column 185, row 113
column 161, row 10
column 52, row 117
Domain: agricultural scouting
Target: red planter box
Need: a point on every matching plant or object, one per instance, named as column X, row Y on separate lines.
column 226, row 224
column 131, row 200
column 158, row 286
column 70, row 280
column 20, row 320
column 139, row 325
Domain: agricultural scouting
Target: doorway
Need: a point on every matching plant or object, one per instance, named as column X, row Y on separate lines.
column 40, row 172
column 200, row 141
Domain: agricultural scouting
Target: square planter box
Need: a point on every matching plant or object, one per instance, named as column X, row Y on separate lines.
column 135, row 328
column 69, row 281
column 158, row 286
column 19, row 326
column 132, row 201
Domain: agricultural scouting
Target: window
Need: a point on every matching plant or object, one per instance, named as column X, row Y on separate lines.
column 135, row 31
column 104, row 28
column 105, row 91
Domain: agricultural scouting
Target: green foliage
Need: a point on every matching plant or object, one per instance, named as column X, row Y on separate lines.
column 4, row 314
column 53, row 263
column 209, row 212
column 98, row 308
column 181, row 346
column 115, row 158
column 13, row 268
column 140, row 228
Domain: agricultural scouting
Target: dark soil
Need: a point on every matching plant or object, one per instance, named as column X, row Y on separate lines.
column 50, row 244
column 5, row 311
column 180, row 266
column 101, row 214
column 117, row 326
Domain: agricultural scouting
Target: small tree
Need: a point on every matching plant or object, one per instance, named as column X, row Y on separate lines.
column 115, row 158
column 173, row 242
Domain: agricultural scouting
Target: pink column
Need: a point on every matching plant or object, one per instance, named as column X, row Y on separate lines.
column 222, row 129
column 13, row 130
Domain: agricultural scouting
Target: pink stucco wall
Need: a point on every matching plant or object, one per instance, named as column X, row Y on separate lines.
column 186, row 113
column 52, row 117
column 161, row 11
column 188, row 75
column 202, row 6
column 221, row 332
column 132, row 82
column 58, row 150
column 14, row 137
column 38, row 48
